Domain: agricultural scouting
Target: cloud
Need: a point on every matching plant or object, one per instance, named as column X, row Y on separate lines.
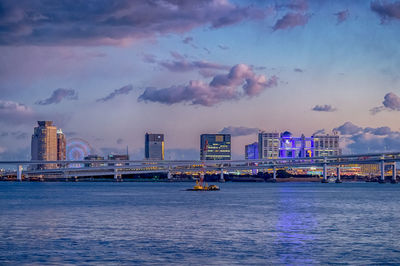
column 386, row 10
column 296, row 5
column 16, row 134
column 324, row 108
column 391, row 102
column 187, row 40
column 15, row 113
column 367, row 143
column 369, row 139
column 124, row 90
column 223, row 47
column 379, row 131
column 181, row 64
column 149, row 58
column 58, row 95
column 291, row 20
column 348, row 128
column 319, row 132
column 239, row 131
column 120, row 22
column 223, row 87
column 341, row 16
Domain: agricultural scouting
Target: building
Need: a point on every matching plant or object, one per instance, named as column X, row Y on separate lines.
column 215, row 147
column 251, row 151
column 44, row 144
column 118, row 157
column 268, row 145
column 154, row 146
column 295, row 147
column 93, row 159
column 326, row 145
column 61, row 146
column 285, row 145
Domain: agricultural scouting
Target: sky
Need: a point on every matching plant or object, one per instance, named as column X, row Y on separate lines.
column 107, row 72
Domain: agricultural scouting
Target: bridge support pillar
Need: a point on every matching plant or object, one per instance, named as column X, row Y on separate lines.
column 221, row 176
column 274, row 173
column 382, row 166
column 338, row 179
column 19, row 172
column 394, row 174
column 169, row 175
column 324, row 173
column 117, row 177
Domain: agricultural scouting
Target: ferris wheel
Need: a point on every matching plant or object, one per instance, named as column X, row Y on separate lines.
column 77, row 150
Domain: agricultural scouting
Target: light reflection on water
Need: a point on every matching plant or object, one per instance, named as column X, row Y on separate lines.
column 145, row 223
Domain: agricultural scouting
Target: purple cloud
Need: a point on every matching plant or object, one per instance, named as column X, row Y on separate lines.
column 319, row 132
column 348, row 128
column 223, row 87
column 324, row 108
column 58, row 95
column 100, row 22
column 341, row 16
column 223, row 47
column 379, row 131
column 291, row 20
column 188, row 40
column 183, row 65
column 386, row 10
column 239, row 131
column 124, row 90
column 149, row 58
column 16, row 134
column 391, row 102
column 296, row 5
column 15, row 113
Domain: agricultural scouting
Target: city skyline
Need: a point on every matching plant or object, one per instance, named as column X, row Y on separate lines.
column 228, row 67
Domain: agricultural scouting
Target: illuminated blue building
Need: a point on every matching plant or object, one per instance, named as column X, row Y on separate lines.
column 284, row 145
column 294, row 147
column 251, row 151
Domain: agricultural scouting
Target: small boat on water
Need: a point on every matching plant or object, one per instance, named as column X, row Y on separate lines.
column 200, row 187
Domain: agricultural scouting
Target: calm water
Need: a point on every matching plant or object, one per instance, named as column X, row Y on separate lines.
column 159, row 223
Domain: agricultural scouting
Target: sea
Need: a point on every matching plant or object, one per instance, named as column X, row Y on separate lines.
column 150, row 223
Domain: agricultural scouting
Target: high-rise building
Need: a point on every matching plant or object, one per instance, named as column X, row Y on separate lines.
column 215, row 147
column 44, row 144
column 326, row 145
column 251, row 151
column 61, row 146
column 154, row 146
column 268, row 145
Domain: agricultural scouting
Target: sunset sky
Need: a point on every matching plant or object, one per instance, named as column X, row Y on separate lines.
column 110, row 71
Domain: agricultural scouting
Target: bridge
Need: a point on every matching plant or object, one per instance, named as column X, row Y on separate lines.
column 118, row 168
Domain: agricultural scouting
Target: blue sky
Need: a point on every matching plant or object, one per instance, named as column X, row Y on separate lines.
column 113, row 70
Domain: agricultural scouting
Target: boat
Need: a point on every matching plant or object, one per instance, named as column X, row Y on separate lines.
column 200, row 187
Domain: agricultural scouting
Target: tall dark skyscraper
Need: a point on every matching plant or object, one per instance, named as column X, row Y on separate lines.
column 154, row 146
column 215, row 147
